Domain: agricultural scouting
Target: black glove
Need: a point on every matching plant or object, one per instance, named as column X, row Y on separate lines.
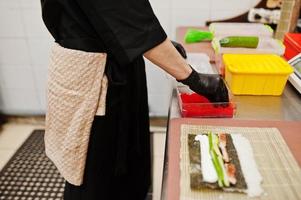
column 211, row 86
column 180, row 49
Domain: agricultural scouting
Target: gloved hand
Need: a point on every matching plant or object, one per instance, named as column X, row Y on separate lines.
column 180, row 49
column 211, row 86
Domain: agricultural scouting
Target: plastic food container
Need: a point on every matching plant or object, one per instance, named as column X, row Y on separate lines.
column 265, row 46
column 205, row 47
column 292, row 41
column 201, row 47
column 194, row 105
column 241, row 29
column 200, row 62
column 256, row 74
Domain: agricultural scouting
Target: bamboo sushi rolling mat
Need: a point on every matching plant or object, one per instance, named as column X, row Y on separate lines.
column 280, row 171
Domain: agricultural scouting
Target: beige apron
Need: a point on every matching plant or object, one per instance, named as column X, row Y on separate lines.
column 76, row 92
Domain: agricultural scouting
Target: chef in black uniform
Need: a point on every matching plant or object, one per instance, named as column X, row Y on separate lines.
column 118, row 160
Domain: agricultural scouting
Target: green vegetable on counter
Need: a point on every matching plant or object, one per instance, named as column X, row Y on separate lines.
column 240, row 41
column 195, row 35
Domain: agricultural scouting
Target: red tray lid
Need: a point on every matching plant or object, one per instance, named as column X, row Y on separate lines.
column 294, row 39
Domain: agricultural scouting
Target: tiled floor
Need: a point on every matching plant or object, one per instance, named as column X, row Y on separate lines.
column 13, row 134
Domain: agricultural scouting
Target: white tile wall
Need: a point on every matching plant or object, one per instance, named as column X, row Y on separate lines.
column 25, row 45
column 188, row 16
column 33, row 23
column 191, row 13
column 254, row 2
column 17, row 77
column 29, row 4
column 13, row 51
column 9, row 3
column 24, row 49
column 42, row 99
column 221, row 10
column 157, row 80
column 19, row 101
column 40, row 76
column 203, row 5
column 39, row 51
column 222, row 14
column 162, row 10
column 236, row 6
column 12, row 27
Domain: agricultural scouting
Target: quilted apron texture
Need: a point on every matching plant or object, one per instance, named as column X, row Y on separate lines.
column 76, row 92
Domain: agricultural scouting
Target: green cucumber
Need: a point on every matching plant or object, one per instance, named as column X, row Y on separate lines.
column 240, row 41
column 215, row 145
column 217, row 167
column 210, row 141
column 214, row 157
column 217, row 160
column 224, row 173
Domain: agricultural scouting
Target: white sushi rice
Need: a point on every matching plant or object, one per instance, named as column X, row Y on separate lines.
column 248, row 165
column 209, row 172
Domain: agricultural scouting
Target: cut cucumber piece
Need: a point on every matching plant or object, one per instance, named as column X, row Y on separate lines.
column 217, row 160
column 214, row 156
column 217, row 167
column 240, row 41
column 224, row 173
column 215, row 141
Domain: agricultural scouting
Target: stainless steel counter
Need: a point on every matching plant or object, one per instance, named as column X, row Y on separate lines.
column 285, row 107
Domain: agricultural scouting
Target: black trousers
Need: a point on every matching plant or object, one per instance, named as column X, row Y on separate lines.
column 118, row 160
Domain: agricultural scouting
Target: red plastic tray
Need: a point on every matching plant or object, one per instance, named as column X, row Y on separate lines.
column 194, row 105
column 292, row 42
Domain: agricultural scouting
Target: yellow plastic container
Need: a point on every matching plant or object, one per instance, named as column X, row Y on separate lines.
column 256, row 74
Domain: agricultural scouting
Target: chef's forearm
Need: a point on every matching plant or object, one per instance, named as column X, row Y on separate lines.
column 168, row 58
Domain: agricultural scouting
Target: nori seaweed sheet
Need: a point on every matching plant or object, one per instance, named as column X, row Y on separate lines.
column 196, row 177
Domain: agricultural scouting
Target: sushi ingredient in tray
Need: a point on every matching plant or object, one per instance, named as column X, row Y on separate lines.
column 232, row 160
column 194, row 105
column 240, row 41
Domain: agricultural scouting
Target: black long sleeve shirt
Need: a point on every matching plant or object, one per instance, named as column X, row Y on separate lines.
column 125, row 29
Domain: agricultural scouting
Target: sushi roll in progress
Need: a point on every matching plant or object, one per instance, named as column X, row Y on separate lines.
column 225, row 162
